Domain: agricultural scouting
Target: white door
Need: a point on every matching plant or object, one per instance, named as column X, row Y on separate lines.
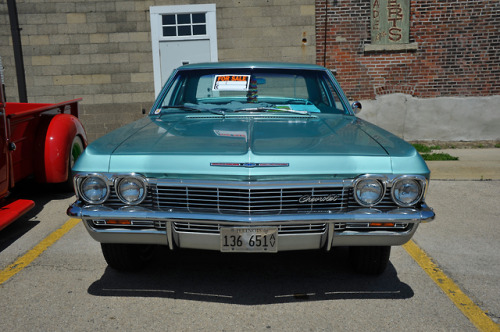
column 177, row 53
column 181, row 35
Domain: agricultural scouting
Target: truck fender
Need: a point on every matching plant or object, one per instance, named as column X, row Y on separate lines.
column 63, row 131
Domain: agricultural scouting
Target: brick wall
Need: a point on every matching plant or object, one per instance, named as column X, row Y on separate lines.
column 101, row 50
column 458, row 51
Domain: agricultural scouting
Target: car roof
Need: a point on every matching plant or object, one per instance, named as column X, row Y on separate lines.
column 251, row 64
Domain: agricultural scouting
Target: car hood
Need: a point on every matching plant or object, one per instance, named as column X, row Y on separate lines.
column 239, row 135
column 201, row 144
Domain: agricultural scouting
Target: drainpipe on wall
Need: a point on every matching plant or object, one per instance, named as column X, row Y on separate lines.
column 18, row 50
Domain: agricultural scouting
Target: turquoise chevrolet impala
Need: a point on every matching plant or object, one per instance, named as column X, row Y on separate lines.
column 251, row 157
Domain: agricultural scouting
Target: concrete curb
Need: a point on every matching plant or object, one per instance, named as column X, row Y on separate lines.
column 473, row 164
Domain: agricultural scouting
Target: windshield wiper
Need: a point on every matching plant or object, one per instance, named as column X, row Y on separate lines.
column 195, row 109
column 272, row 109
column 299, row 101
column 180, row 107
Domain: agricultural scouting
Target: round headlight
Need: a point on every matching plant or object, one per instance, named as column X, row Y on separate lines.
column 368, row 192
column 131, row 190
column 94, row 190
column 406, row 192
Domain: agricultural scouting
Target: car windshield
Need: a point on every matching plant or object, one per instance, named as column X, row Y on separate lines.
column 251, row 90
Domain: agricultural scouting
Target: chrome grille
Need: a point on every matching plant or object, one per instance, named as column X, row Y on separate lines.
column 256, row 201
column 385, row 205
column 114, row 202
column 241, row 200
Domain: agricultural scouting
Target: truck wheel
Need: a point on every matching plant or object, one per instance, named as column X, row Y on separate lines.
column 75, row 152
column 370, row 260
column 127, row 257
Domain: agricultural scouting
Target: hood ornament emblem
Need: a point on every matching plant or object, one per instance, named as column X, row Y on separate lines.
column 250, row 165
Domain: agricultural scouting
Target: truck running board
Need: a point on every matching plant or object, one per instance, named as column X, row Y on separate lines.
column 14, row 210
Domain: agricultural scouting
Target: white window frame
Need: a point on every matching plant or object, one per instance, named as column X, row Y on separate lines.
column 156, row 13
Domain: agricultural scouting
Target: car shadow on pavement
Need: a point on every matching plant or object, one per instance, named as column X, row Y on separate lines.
column 41, row 194
column 252, row 279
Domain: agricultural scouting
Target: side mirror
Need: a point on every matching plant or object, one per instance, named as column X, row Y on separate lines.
column 356, row 107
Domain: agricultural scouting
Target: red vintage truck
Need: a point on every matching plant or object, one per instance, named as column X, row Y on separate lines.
column 40, row 140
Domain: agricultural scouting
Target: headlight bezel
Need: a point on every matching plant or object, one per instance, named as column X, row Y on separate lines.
column 138, row 179
column 421, row 184
column 80, row 182
column 374, row 179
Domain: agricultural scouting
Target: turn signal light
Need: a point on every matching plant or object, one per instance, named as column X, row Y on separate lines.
column 381, row 224
column 118, row 222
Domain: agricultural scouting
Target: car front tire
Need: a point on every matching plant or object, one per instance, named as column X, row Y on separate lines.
column 370, row 260
column 127, row 257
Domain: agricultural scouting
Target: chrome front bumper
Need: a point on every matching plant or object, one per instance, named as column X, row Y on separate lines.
column 168, row 234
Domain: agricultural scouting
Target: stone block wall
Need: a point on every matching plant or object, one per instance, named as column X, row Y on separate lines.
column 276, row 30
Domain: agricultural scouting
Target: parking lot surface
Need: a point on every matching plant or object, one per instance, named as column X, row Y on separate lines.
column 68, row 286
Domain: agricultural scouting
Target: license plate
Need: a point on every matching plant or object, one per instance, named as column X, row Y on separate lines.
column 249, row 239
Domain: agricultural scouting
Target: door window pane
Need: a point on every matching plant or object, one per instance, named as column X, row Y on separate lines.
column 168, row 19
column 199, row 18
column 183, row 18
column 199, row 30
column 169, row 31
column 184, row 30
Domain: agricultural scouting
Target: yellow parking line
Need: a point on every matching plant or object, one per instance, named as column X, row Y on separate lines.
column 31, row 255
column 461, row 301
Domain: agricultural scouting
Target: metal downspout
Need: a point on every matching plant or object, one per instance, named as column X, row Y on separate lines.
column 18, row 51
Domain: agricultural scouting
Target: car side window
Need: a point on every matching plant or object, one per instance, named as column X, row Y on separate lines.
column 334, row 95
column 204, row 89
column 284, row 86
column 173, row 92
